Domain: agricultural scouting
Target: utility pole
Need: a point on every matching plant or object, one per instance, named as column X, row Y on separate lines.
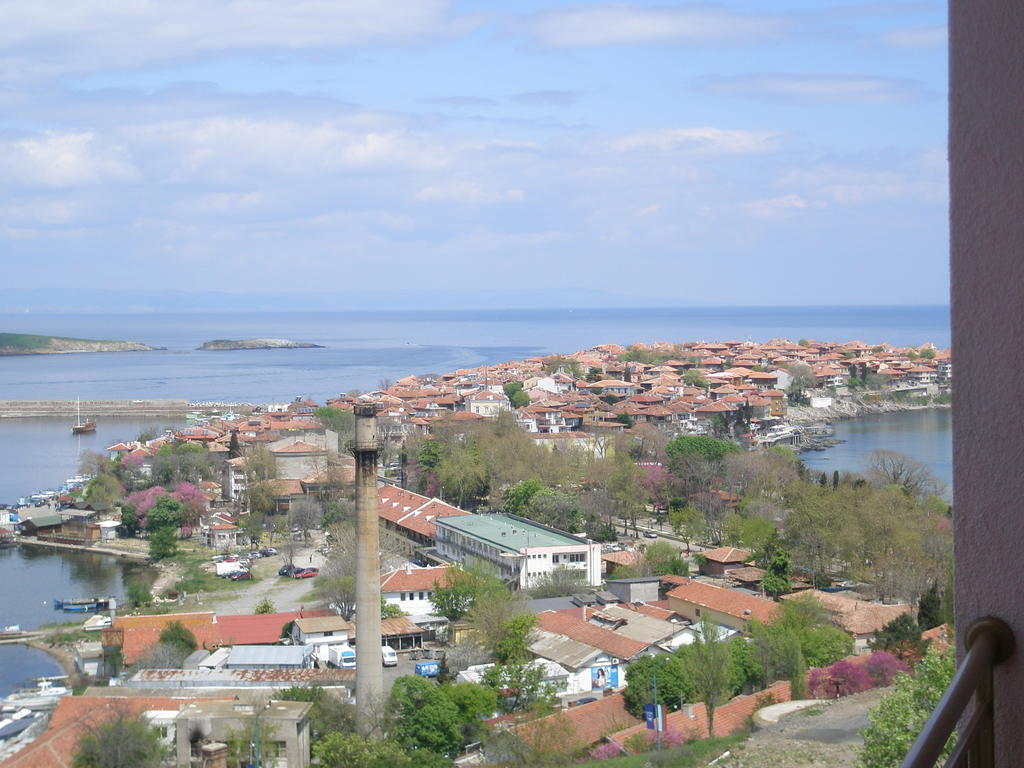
column 369, row 678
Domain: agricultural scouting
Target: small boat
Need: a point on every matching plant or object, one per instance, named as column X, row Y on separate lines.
column 81, row 427
column 42, row 697
column 16, row 722
column 11, row 629
column 83, row 604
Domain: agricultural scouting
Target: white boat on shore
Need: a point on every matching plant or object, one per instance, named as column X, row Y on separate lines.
column 43, row 696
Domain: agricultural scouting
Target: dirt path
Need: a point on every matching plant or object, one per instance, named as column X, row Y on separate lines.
column 825, row 736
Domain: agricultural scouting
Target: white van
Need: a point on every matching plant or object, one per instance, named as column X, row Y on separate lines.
column 388, row 656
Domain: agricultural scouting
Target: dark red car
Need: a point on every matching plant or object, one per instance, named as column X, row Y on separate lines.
column 306, row 573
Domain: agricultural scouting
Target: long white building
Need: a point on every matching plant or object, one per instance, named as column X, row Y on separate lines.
column 518, row 550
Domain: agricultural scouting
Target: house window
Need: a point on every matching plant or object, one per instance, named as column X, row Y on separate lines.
column 401, row 595
column 421, row 596
column 328, row 634
column 698, row 613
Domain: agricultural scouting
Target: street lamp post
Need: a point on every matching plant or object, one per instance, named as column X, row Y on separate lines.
column 657, row 720
column 256, row 735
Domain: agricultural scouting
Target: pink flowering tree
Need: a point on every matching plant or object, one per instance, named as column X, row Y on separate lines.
column 143, row 501
column 194, row 501
column 882, row 668
column 657, row 484
column 839, row 679
column 605, row 751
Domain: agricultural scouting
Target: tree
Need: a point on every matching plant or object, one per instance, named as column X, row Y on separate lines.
column 513, row 646
column 474, row 702
column 558, row 582
column 328, row 713
column 929, row 608
column 121, row 742
column 129, row 521
column 519, row 495
column 776, row 580
column 515, row 394
column 165, row 514
column 902, row 638
column 688, row 523
column 103, row 490
column 346, row 749
column 234, row 449
column 463, row 474
column 912, row 476
column 674, row 686
column 519, row 686
column 461, row 589
column 340, row 421
column 701, row 446
column 178, row 635
column 305, row 514
column 266, row 605
column 163, row 544
column 709, row 665
column 900, row 716
column 695, row 378
column 424, row 717
column 336, row 585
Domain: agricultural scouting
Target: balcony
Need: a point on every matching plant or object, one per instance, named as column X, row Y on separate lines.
column 989, row 642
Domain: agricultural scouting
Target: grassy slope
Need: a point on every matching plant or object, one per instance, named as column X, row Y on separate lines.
column 691, row 755
column 28, row 341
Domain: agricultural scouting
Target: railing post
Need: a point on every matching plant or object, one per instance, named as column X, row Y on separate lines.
column 982, row 749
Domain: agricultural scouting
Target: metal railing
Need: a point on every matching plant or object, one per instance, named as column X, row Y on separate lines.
column 989, row 642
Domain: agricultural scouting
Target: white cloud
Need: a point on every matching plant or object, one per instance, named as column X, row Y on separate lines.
column 775, row 208
column 705, row 140
column 622, row 24
column 230, row 148
column 916, row 38
column 859, row 186
column 64, row 160
column 816, row 89
column 467, row 192
column 90, row 35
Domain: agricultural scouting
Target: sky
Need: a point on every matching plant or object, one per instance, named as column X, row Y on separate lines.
column 657, row 153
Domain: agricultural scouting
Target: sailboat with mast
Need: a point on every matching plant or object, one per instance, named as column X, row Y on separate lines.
column 82, row 427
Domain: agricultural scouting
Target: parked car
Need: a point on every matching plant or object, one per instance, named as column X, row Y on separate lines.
column 306, row 573
column 650, row 535
column 254, row 555
column 241, row 576
column 268, row 552
column 388, row 656
column 286, row 570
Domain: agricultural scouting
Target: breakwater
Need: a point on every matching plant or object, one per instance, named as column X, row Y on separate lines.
column 13, row 409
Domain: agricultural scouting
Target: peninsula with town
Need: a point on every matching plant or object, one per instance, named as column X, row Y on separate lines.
column 584, row 558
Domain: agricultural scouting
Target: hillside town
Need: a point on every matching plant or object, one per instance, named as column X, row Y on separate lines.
column 568, row 544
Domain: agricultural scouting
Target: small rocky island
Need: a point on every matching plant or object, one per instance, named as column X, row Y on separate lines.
column 31, row 344
column 222, row 344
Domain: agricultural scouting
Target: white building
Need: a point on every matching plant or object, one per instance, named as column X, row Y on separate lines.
column 411, row 588
column 520, row 551
column 314, row 630
column 487, row 403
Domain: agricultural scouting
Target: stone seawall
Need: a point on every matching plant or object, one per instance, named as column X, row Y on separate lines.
column 12, row 409
column 852, row 409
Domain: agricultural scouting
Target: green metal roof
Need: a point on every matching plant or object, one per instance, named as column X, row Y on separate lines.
column 506, row 532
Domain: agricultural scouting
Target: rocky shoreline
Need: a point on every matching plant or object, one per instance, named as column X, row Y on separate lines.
column 58, row 346
column 855, row 408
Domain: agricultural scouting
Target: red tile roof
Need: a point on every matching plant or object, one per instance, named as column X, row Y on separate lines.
column 581, row 631
column 727, row 555
column 726, row 601
column 584, row 724
column 414, row 579
column 74, row 715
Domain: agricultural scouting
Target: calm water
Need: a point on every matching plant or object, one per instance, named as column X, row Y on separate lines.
column 36, row 454
column 33, row 577
column 926, row 435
